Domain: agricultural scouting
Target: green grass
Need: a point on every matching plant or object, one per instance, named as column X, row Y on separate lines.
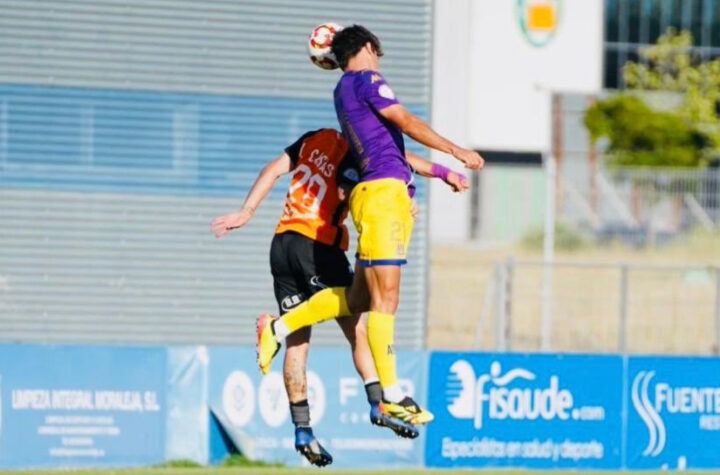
column 289, row 471
column 237, row 471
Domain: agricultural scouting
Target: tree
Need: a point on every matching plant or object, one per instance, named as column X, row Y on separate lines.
column 640, row 136
column 688, row 134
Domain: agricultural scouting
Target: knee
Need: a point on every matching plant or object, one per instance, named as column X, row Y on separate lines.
column 386, row 300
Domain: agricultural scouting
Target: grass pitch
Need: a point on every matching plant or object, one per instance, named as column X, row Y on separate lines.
column 238, row 471
column 309, row 471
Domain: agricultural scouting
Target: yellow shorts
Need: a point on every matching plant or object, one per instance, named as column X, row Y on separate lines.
column 381, row 213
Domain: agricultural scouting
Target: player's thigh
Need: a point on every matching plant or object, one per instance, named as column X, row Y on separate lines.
column 302, row 262
column 288, row 290
column 358, row 297
column 381, row 212
column 331, row 266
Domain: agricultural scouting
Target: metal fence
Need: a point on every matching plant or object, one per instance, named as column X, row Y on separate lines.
column 639, row 205
column 601, row 307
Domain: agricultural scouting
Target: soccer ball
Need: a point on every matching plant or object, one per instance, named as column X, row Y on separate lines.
column 319, row 45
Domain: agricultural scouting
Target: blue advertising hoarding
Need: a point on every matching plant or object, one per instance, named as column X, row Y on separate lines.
column 516, row 410
column 253, row 410
column 81, row 406
column 674, row 413
column 74, row 406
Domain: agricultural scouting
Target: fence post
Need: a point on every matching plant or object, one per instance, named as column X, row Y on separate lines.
column 500, row 300
column 548, row 252
column 717, row 311
column 623, row 323
column 509, row 274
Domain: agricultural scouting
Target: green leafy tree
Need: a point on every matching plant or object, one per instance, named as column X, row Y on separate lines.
column 687, row 135
column 640, row 136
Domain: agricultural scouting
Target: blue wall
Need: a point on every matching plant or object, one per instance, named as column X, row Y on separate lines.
column 151, row 142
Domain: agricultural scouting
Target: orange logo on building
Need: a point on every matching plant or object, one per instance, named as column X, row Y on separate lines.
column 538, row 20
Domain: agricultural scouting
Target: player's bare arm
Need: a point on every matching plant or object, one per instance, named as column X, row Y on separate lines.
column 456, row 181
column 416, row 128
column 265, row 181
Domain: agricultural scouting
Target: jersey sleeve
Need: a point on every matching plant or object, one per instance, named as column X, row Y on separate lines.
column 377, row 92
column 293, row 150
column 348, row 174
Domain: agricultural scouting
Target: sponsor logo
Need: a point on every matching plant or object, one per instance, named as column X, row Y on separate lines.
column 385, row 91
column 652, row 400
column 316, row 397
column 315, row 282
column 375, row 78
column 238, row 398
column 351, row 174
column 515, row 395
column 291, row 301
column 272, row 399
column 538, row 20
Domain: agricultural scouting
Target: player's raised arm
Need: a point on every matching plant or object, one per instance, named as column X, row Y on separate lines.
column 260, row 189
column 416, row 128
column 457, row 181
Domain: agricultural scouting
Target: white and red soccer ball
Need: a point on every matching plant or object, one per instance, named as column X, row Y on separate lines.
column 319, row 45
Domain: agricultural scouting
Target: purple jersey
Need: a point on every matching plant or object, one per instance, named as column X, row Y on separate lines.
column 376, row 142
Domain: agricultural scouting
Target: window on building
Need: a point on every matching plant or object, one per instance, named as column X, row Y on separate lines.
column 633, row 24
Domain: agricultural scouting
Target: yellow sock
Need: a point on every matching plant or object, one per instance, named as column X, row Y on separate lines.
column 381, row 333
column 324, row 305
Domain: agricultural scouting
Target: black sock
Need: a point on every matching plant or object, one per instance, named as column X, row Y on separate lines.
column 300, row 413
column 374, row 392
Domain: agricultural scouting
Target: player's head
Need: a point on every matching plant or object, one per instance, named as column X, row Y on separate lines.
column 355, row 41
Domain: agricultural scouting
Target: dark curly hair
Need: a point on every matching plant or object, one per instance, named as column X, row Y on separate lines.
column 349, row 41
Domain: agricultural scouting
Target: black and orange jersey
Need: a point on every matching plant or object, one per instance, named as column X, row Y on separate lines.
column 313, row 208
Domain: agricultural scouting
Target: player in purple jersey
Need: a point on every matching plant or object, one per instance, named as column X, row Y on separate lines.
column 373, row 121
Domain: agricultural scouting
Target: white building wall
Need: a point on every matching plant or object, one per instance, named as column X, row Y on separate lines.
column 450, row 82
column 493, row 83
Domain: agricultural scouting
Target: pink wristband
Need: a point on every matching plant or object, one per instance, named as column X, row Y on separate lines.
column 440, row 171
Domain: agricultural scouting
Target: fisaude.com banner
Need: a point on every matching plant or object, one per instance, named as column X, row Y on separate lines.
column 536, row 411
column 74, row 406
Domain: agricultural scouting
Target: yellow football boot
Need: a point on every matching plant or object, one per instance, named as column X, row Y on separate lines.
column 408, row 411
column 267, row 344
